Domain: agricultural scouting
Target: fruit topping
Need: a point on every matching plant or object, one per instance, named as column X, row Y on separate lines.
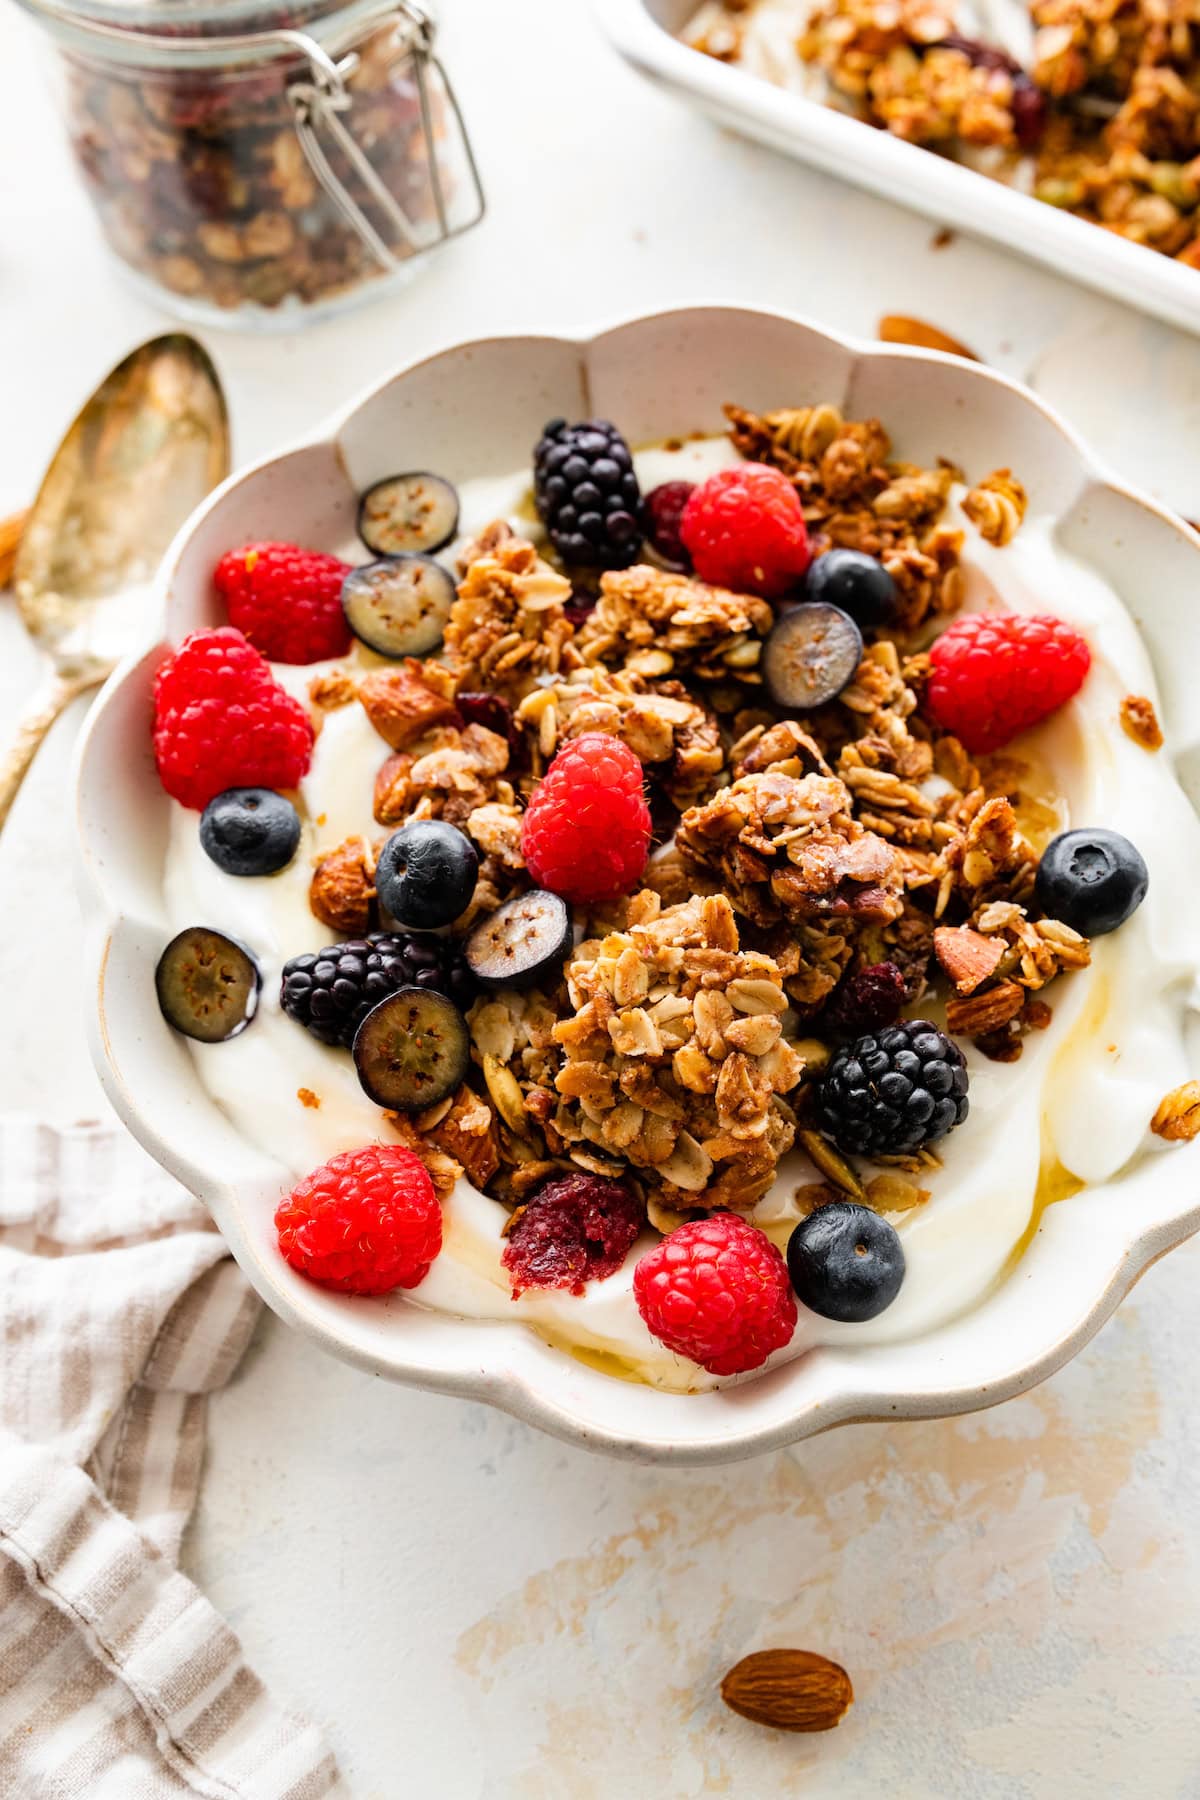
column 574, row 1230
column 744, row 529
column 207, row 985
column 892, row 1092
column 412, row 1050
column 587, row 493
column 331, row 991
column 866, row 1001
column 717, row 1290
column 845, row 1262
column 365, row 1222
column 993, row 675
column 288, row 601
column 586, row 831
column 414, row 512
column 1091, row 879
column 221, row 720
column 522, row 942
column 494, row 713
column 856, row 582
column 399, row 605
column 810, row 656
column 426, row 874
column 663, row 511
column 250, row 831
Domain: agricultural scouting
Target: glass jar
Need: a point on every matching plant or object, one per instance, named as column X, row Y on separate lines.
column 253, row 162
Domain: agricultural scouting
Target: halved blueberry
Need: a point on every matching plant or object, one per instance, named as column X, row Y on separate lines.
column 521, row 941
column 207, row 985
column 810, row 656
column 413, row 512
column 399, row 605
column 412, row 1050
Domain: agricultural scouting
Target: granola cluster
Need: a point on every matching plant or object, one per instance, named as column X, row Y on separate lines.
column 671, row 1057
column 1104, row 123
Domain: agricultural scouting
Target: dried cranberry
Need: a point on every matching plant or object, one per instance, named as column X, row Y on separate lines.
column 580, row 606
column 576, row 1229
column 663, row 507
column 494, row 713
column 1028, row 111
column 981, row 56
column 867, row 1001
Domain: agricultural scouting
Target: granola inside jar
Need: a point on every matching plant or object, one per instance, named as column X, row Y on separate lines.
column 255, row 163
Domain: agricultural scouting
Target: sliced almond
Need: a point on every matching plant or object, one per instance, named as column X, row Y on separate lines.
column 505, row 1091
column 792, row 1690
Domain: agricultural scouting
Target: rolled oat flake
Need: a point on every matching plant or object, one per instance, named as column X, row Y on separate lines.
column 253, row 162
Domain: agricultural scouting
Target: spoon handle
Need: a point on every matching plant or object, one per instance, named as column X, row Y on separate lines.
column 53, row 699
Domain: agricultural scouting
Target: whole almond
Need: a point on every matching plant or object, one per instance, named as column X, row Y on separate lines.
column 793, row 1690
column 896, row 328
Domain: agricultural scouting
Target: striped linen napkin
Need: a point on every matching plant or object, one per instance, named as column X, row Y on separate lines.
column 120, row 1312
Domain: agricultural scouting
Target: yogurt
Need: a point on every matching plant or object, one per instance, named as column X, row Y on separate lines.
column 1073, row 1111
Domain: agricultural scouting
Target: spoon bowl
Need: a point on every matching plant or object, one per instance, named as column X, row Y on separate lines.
column 146, row 448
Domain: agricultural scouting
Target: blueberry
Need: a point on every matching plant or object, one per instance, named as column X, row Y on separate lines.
column 845, row 1262
column 858, row 583
column 426, row 874
column 412, row 512
column 207, row 985
column 521, row 941
column 250, row 831
column 412, row 1050
column 810, row 656
column 1091, row 879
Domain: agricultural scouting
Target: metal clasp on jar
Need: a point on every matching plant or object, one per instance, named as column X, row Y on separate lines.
column 320, row 99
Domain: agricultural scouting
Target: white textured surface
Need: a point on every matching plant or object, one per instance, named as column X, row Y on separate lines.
column 474, row 1610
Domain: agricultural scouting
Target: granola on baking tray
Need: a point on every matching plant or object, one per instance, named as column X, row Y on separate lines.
column 1104, row 121
column 702, row 845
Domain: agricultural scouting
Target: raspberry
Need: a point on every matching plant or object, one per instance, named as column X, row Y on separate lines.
column 586, row 830
column 578, row 1229
column 717, row 1291
column 994, row 675
column 288, row 601
column 365, row 1222
column 744, row 529
column 221, row 720
column 664, row 507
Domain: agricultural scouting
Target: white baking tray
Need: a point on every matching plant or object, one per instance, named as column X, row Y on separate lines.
column 644, row 32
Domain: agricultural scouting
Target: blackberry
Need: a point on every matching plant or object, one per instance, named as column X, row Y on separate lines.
column 893, row 1091
column 587, row 493
column 331, row 991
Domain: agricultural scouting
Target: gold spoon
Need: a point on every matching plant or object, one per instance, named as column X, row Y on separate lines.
column 148, row 446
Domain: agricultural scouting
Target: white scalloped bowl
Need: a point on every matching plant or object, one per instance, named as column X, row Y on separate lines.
column 474, row 410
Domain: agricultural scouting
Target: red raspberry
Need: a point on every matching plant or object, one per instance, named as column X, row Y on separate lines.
column 664, row 507
column 365, row 1222
column 717, row 1291
column 580, row 1228
column 744, row 529
column 586, row 830
column 222, row 720
column 288, row 601
column 996, row 674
